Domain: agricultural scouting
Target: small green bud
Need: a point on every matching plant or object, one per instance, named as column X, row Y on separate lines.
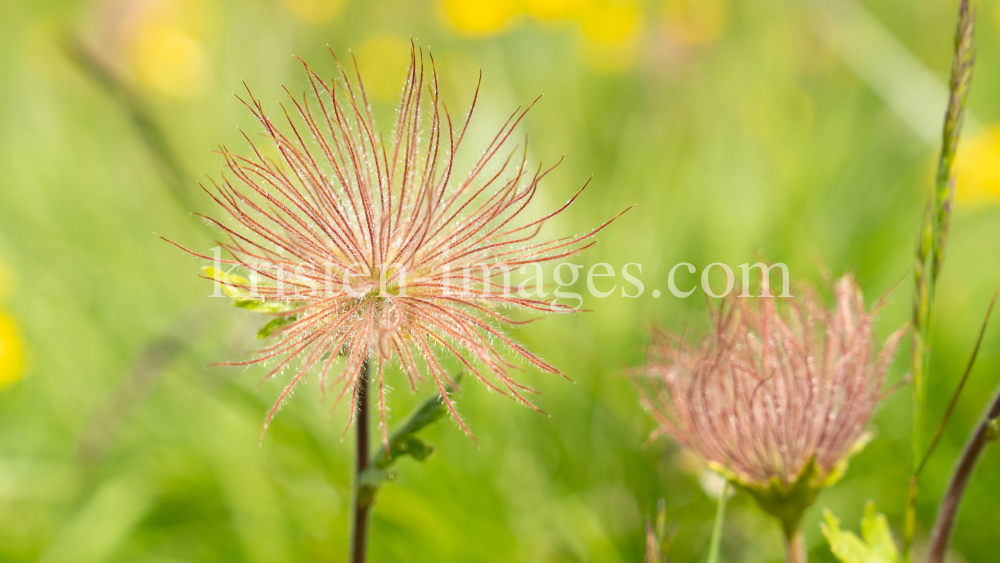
column 993, row 430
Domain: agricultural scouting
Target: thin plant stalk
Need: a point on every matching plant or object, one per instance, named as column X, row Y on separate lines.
column 931, row 245
column 720, row 516
column 961, row 385
column 985, row 433
column 795, row 547
column 362, row 505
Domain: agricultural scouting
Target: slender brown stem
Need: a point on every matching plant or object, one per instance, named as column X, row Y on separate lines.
column 795, row 548
column 362, row 506
column 945, row 522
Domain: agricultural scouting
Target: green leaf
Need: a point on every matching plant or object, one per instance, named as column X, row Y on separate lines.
column 232, row 285
column 404, row 442
column 238, row 288
column 275, row 325
column 268, row 307
column 415, row 447
column 433, row 410
column 877, row 546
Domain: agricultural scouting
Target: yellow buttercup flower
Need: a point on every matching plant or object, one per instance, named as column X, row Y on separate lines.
column 11, row 352
column 977, row 168
column 551, row 9
column 315, row 11
column 695, row 22
column 479, row 17
column 171, row 61
column 608, row 22
column 383, row 58
column 167, row 55
column 610, row 35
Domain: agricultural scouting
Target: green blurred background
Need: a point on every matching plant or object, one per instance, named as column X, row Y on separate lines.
column 799, row 130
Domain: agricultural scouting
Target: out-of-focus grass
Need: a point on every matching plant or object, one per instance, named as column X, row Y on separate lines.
column 729, row 125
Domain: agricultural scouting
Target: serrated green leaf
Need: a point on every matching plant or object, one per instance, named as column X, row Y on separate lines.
column 877, row 546
column 415, row 447
column 276, row 324
column 433, row 410
column 404, row 442
column 875, row 530
column 238, row 288
column 846, row 547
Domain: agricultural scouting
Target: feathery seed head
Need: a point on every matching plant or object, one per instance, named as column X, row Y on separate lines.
column 374, row 248
column 776, row 398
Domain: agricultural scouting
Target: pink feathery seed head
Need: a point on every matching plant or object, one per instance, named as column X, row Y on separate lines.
column 771, row 389
column 381, row 251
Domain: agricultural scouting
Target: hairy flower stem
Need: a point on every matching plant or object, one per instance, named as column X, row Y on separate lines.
column 795, row 547
column 984, row 433
column 362, row 506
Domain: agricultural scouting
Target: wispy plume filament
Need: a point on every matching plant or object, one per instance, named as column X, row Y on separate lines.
column 772, row 389
column 375, row 245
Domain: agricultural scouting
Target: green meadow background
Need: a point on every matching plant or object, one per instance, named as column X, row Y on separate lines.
column 802, row 131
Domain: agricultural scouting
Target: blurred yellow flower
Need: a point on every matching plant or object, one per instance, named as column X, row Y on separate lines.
column 170, row 61
column 695, row 22
column 551, row 9
column 315, row 11
column 977, row 167
column 383, row 60
column 479, row 17
column 11, row 352
column 166, row 54
column 610, row 35
column 610, row 22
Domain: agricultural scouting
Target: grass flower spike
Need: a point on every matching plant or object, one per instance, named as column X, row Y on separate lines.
column 775, row 397
column 373, row 250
